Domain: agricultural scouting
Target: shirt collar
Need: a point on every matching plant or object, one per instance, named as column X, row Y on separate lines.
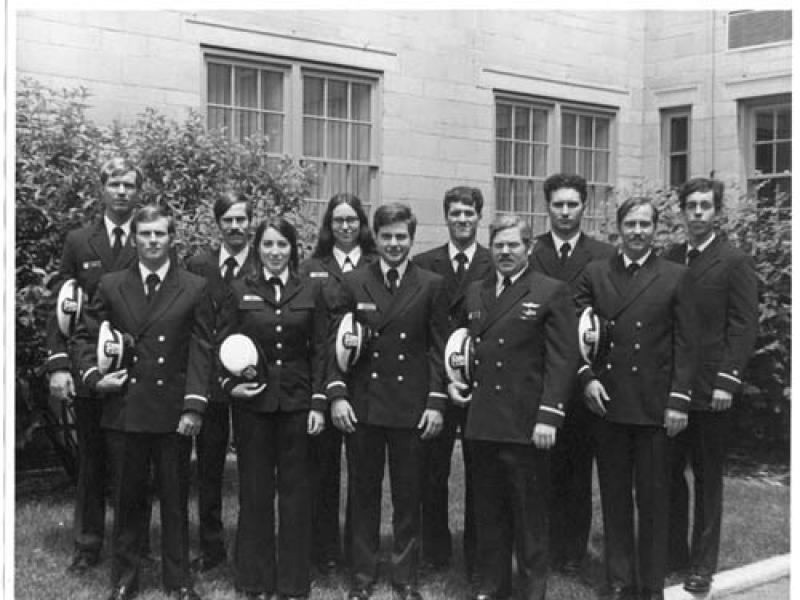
column 161, row 272
column 558, row 242
column 627, row 261
column 401, row 269
column 702, row 246
column 110, row 225
column 240, row 258
column 469, row 251
column 340, row 256
column 514, row 278
column 283, row 275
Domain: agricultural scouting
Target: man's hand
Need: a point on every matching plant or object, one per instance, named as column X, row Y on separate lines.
column 430, row 423
column 190, row 423
column 675, row 421
column 544, row 436
column 458, row 393
column 720, row 399
column 247, row 390
column 343, row 415
column 62, row 387
column 596, row 397
column 112, row 382
column 316, row 422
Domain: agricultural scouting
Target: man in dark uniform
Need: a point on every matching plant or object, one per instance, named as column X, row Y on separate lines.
column 460, row 261
column 522, row 324
column 88, row 253
column 233, row 214
column 726, row 294
column 393, row 399
column 152, row 407
column 562, row 253
column 642, row 391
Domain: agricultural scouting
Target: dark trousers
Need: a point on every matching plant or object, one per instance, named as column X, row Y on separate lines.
column 90, row 497
column 437, row 546
column 511, row 493
column 701, row 445
column 367, row 449
column 274, row 457
column 571, row 486
column 633, row 459
column 212, row 448
column 132, row 455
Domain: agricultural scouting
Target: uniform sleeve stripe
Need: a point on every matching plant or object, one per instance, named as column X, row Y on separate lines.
column 727, row 376
column 552, row 410
column 58, row 355
column 681, row 396
column 437, row 394
column 582, row 369
column 195, row 397
column 333, row 384
column 89, row 372
column 320, row 396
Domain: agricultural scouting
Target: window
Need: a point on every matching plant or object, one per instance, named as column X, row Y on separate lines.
column 675, row 138
column 331, row 124
column 768, row 135
column 536, row 138
column 756, row 27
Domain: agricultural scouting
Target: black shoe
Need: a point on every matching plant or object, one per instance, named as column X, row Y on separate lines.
column 122, row 592
column 203, row 564
column 82, row 562
column 358, row 593
column 697, row 583
column 405, row 592
column 184, row 593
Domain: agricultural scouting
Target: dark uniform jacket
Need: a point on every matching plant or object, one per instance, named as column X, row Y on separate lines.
column 86, row 256
column 526, row 354
column 545, row 257
column 326, row 272
column 401, row 371
column 652, row 329
column 726, row 295
column 173, row 342
column 438, row 261
column 291, row 336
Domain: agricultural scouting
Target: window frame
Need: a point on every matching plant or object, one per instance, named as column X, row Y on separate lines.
column 750, row 108
column 736, row 14
column 667, row 116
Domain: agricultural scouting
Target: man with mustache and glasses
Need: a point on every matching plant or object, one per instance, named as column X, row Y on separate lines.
column 726, row 293
column 641, row 391
column 563, row 253
column 233, row 214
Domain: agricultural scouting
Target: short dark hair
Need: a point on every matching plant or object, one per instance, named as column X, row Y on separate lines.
column 325, row 241
column 287, row 230
column 504, row 222
column 702, row 184
column 465, row 195
column 632, row 203
column 394, row 212
column 118, row 167
column 565, row 180
column 227, row 199
column 152, row 212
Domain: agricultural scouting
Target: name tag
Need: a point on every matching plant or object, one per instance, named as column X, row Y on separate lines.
column 252, row 298
column 318, row 274
column 366, row 306
column 474, row 315
column 92, row 264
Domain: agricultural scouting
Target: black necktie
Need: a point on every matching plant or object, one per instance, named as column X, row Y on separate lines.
column 461, row 259
column 633, row 269
column 152, row 282
column 691, row 255
column 230, row 267
column 116, row 248
column 564, row 252
column 277, row 285
column 392, row 276
column 506, row 285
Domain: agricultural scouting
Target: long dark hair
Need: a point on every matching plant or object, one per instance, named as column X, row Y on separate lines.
column 326, row 241
column 287, row 230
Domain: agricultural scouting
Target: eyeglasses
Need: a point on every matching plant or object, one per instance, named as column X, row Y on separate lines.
column 340, row 221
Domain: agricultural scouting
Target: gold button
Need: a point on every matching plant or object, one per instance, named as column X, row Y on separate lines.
column 400, row 378
column 161, row 360
column 374, row 375
column 498, row 387
column 401, row 357
column 637, row 346
column 135, row 359
column 610, row 344
column 499, row 364
column 278, row 311
column 133, row 379
column 161, row 338
column 159, row 382
column 474, row 384
column 402, row 335
column 608, row 366
column 638, row 324
column 501, row 341
column 278, row 328
column 376, row 354
column 279, row 362
column 477, row 340
column 634, row 369
column 278, row 345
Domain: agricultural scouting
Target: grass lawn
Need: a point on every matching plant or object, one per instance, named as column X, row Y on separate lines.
column 755, row 526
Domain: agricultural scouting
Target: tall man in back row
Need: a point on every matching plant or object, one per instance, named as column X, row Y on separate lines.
column 460, row 261
column 563, row 253
column 726, row 294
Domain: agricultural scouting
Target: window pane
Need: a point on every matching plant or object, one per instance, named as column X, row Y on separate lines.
column 602, row 133
column 569, row 161
column 246, row 84
column 601, row 166
column 679, row 134
column 337, row 140
column 219, row 118
column 763, row 126
column 539, row 126
column 521, row 204
column 585, row 164
column 503, row 158
column 585, row 131
column 764, row 158
column 337, row 179
column 219, row 84
column 522, row 159
column 313, row 95
column 274, row 131
column 361, row 102
column 568, row 130
column 538, row 203
column 503, row 116
column 360, row 142
column 784, row 125
column 539, row 160
column 521, row 123
column 272, row 90
column 783, row 157
column 503, row 194
column 677, row 170
column 362, row 181
column 248, row 123
column 313, row 136
column 337, row 98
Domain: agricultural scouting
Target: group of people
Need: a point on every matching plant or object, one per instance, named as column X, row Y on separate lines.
column 532, row 420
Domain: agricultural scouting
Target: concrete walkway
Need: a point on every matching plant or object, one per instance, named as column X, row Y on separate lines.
column 765, row 580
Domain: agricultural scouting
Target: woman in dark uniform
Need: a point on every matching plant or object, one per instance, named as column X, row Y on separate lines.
column 345, row 243
column 285, row 317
